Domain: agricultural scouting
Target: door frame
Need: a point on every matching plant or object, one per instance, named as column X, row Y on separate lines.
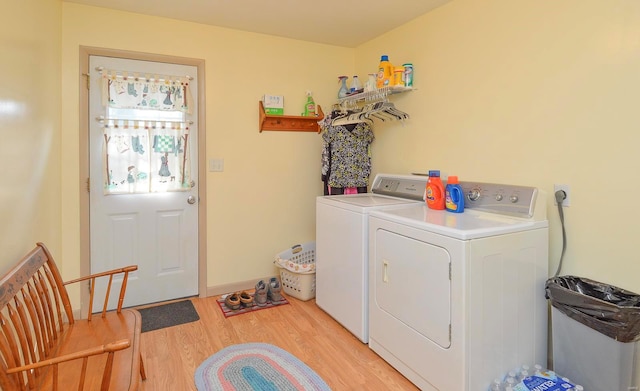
column 85, row 238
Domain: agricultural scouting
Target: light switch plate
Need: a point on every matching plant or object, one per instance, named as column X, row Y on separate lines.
column 216, row 165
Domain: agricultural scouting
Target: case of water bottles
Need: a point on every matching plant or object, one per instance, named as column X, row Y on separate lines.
column 537, row 378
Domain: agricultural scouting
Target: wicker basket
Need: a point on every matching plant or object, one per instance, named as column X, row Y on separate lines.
column 297, row 271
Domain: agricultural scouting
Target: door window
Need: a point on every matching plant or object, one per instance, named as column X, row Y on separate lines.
column 146, row 133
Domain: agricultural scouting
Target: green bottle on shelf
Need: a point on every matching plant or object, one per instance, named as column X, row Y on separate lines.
column 310, row 106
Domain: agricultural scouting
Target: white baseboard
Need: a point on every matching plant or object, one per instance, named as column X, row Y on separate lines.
column 218, row 290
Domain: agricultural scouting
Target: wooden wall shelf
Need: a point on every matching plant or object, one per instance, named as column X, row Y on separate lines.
column 291, row 123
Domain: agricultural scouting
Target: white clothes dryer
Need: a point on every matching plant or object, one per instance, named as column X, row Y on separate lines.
column 457, row 299
column 342, row 246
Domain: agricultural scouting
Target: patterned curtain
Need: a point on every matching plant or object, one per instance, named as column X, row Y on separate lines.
column 146, row 156
column 123, row 91
column 151, row 155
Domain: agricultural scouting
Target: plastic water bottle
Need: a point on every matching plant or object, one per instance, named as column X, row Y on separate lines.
column 509, row 382
column 537, row 369
column 496, row 385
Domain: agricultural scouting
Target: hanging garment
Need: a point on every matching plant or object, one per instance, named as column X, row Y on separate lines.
column 348, row 154
column 164, row 144
column 345, row 190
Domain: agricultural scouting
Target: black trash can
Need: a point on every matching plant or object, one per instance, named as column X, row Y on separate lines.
column 596, row 329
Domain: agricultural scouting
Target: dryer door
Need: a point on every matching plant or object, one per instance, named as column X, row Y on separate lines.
column 413, row 284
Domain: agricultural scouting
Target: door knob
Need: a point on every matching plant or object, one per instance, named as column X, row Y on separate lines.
column 191, row 200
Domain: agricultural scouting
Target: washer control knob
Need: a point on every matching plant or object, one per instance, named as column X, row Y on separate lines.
column 498, row 197
column 514, row 198
column 473, row 195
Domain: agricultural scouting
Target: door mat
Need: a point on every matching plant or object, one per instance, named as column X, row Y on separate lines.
column 167, row 315
column 256, row 366
column 227, row 312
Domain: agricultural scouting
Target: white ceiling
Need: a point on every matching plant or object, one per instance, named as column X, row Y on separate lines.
column 336, row 22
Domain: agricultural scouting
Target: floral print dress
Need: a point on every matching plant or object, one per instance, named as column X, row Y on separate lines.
column 346, row 155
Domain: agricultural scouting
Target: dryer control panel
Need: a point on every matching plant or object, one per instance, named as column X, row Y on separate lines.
column 519, row 201
column 402, row 186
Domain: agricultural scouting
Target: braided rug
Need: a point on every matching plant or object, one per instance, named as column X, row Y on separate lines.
column 256, row 367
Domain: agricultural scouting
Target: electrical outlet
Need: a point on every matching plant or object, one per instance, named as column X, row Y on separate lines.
column 565, row 188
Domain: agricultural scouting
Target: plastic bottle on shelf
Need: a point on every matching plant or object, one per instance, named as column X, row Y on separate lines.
column 398, row 74
column 370, row 85
column 310, row 106
column 342, row 92
column 385, row 72
column 355, row 84
column 454, row 195
column 408, row 75
column 434, row 191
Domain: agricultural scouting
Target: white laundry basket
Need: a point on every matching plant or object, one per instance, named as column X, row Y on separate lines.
column 298, row 271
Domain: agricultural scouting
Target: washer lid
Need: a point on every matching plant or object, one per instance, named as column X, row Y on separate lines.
column 370, row 200
column 364, row 202
column 471, row 224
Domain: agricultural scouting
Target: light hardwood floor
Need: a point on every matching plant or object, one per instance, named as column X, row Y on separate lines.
column 172, row 354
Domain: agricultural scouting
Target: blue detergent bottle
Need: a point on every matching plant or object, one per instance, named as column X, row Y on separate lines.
column 454, row 196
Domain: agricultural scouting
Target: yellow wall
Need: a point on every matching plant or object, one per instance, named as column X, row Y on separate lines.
column 264, row 201
column 30, row 125
column 531, row 92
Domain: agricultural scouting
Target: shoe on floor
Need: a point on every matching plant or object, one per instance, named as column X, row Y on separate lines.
column 260, row 296
column 232, row 301
column 275, row 289
column 246, row 299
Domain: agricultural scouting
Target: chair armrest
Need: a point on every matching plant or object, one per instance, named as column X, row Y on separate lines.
column 126, row 269
column 110, row 273
column 83, row 354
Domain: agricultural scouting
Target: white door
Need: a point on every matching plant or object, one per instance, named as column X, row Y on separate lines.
column 143, row 167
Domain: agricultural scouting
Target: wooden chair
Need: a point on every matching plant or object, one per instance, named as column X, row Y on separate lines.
column 44, row 348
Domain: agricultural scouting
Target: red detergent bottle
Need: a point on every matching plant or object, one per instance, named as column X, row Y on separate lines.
column 435, row 191
column 454, row 196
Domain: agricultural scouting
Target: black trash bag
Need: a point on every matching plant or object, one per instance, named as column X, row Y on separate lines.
column 605, row 308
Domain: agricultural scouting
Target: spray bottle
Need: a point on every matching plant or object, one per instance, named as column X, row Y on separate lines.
column 310, row 106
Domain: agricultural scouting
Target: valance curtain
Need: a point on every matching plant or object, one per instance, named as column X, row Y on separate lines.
column 167, row 93
column 145, row 156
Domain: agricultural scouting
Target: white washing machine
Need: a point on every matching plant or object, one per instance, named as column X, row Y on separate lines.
column 342, row 246
column 457, row 300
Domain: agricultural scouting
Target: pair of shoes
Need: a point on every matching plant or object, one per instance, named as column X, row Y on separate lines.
column 275, row 289
column 260, row 295
column 232, row 301
column 246, row 299
column 236, row 300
